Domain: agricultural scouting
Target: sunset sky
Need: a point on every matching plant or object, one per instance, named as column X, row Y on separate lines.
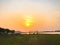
column 30, row 15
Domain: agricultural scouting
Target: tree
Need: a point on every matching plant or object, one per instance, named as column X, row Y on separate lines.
column 12, row 31
column 6, row 31
column 2, row 31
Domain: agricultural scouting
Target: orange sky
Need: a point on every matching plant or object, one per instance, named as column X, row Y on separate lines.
column 38, row 15
column 39, row 22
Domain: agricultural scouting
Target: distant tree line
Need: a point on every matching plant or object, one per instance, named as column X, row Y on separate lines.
column 6, row 31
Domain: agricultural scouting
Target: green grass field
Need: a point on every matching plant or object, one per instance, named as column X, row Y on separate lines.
column 37, row 39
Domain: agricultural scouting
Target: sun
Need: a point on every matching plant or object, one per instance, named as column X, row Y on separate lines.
column 28, row 21
column 27, row 24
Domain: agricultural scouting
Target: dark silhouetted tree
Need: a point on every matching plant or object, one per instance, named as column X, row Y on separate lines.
column 6, row 31
column 12, row 31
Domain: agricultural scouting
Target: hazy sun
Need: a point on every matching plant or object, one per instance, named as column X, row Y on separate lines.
column 28, row 21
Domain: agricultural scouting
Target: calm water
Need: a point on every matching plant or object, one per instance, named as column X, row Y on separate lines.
column 50, row 32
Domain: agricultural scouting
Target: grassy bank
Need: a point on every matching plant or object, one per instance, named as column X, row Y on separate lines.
column 30, row 39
